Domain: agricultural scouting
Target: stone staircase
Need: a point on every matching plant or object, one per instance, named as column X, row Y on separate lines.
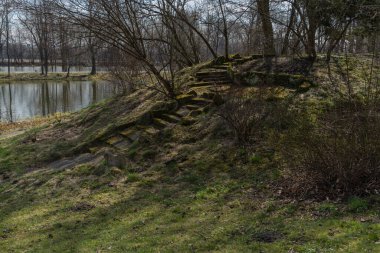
column 198, row 100
column 190, row 106
column 212, row 77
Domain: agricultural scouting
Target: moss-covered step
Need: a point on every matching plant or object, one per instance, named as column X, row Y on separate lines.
column 123, row 145
column 192, row 107
column 183, row 111
column 188, row 120
column 119, row 142
column 199, row 111
column 201, row 84
column 69, row 163
column 151, row 130
column 217, row 80
column 222, row 67
column 170, row 118
column 211, row 84
column 256, row 78
column 114, row 139
column 210, row 77
column 241, row 60
column 161, row 123
column 131, row 134
column 200, row 101
column 185, row 98
column 220, row 88
column 211, row 73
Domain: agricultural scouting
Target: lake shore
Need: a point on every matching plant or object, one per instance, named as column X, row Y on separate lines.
column 10, row 129
column 60, row 76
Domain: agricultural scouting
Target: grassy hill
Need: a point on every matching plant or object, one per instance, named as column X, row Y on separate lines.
column 182, row 182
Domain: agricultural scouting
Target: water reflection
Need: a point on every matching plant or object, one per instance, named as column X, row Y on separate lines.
column 24, row 100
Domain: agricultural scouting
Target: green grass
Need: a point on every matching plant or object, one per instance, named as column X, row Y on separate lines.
column 133, row 219
column 180, row 207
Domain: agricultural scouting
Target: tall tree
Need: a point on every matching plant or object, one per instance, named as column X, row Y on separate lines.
column 269, row 50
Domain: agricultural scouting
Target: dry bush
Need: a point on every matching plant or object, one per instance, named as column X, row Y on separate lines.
column 249, row 115
column 336, row 156
column 126, row 73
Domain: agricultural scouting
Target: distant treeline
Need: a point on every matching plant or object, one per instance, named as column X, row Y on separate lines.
column 172, row 34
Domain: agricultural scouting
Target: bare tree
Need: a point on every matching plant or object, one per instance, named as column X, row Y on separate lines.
column 269, row 50
column 7, row 7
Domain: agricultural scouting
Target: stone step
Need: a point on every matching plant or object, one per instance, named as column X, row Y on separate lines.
column 131, row 134
column 216, row 79
column 200, row 101
column 161, row 123
column 241, row 60
column 88, row 158
column 211, row 69
column 192, row 107
column 195, row 113
column 235, row 57
column 114, row 139
column 185, row 98
column 62, row 164
column 214, row 84
column 69, row 163
column 221, row 67
column 212, row 73
column 170, row 118
column 211, row 88
column 208, row 95
column 199, row 111
column 201, row 84
column 183, row 111
column 213, row 76
column 122, row 145
column 119, row 142
column 188, row 120
column 151, row 130
column 238, row 60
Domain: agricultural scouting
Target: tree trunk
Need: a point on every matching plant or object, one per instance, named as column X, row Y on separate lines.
column 269, row 50
column 7, row 38
column 310, row 46
column 285, row 46
column 311, row 31
column 93, row 61
column 46, row 60
column 225, row 30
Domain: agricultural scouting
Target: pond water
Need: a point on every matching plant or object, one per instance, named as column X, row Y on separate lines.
column 22, row 100
column 37, row 69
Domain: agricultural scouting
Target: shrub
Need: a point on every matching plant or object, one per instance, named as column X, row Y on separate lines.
column 245, row 117
column 249, row 115
column 126, row 74
column 336, row 156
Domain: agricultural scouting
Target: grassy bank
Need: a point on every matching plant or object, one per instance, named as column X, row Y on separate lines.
column 74, row 76
column 186, row 185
